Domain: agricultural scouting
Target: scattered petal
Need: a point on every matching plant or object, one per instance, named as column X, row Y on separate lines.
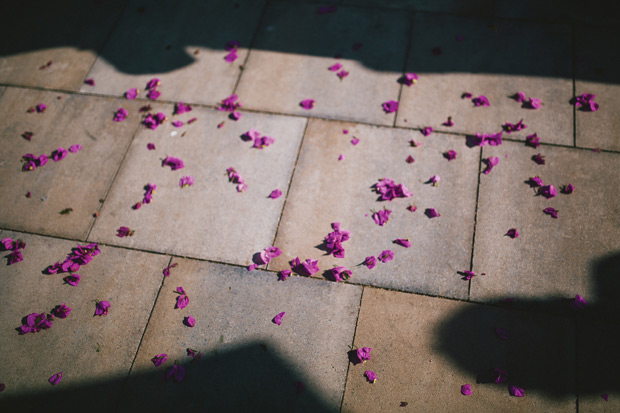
column 448, row 122
column 551, row 211
column 153, row 83
column 493, row 139
column 307, row 104
column 150, row 146
column 101, row 308
column 450, row 155
column 36, row 322
column 534, row 103
column 412, row 208
column 177, row 123
column 173, row 163
column 512, row 233
column 502, row 333
column 159, row 359
column 355, row 141
column 59, row 154
column 548, row 191
column 381, row 217
column 229, row 104
column 586, row 102
column 431, row 213
column 120, row 115
column 40, row 108
column 466, row 389
column 90, row 82
column 275, row 194
column 468, row 275
column 532, row 140
column 535, row 181
column 434, row 180
column 363, row 354
column 466, row 95
column 481, row 101
column 194, row 354
column 389, row 190
column 284, row 274
column 175, row 373
column 386, row 256
column 341, row 157
column 516, row 391
column 409, row 79
column 55, row 379
column 403, row 242
column 186, row 181
column 61, row 311
column 306, row 268
column 131, row 94
column 340, row 273
column 166, row 270
column 231, row 56
column 335, row 67
column 410, row 159
column 75, row 148
column 342, row 74
column 278, row 318
column 189, row 321
column 371, row 376
column 370, row 262
column 427, row 131
column 509, row 127
column 567, row 189
column 390, row 106
column 182, row 299
column 153, row 94
column 579, row 303
column 520, row 97
column 123, row 232
column 490, row 162
column 605, row 396
column 73, row 279
column 27, row 135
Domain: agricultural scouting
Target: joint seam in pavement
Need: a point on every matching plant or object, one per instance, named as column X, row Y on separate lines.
column 357, row 319
column 473, row 238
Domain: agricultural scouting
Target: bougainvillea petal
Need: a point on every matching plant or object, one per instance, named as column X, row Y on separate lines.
column 55, row 379
column 516, row 391
column 427, row 131
column 579, row 303
column 159, row 359
column 390, row 106
column 335, row 67
column 567, row 189
column 101, row 308
column 410, row 159
column 532, row 140
column 381, row 217
column 73, row 279
column 275, row 194
column 466, row 389
column 186, row 181
column 363, row 354
column 284, row 274
column 539, row 159
column 307, row 104
column 512, row 233
column 481, row 101
column 403, row 242
column 131, row 94
column 370, row 262
column 386, row 256
column 189, row 321
column 370, row 376
column 278, row 318
column 120, row 115
column 548, row 191
column 431, row 213
column 551, row 211
column 450, row 155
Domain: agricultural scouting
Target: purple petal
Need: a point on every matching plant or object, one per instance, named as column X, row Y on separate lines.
column 390, row 106
column 61, row 311
column 189, row 321
column 307, row 104
column 335, row 67
column 182, row 301
column 450, row 155
column 120, row 115
column 177, row 123
column 340, row 273
column 73, row 279
column 275, row 194
column 131, row 94
column 403, row 242
column 90, row 82
column 75, row 148
column 466, row 389
column 284, row 274
column 363, row 354
column 381, row 217
column 548, row 191
column 605, row 396
column 532, row 140
column 516, row 391
column 173, row 163
column 510, row 127
column 427, row 131
column 512, row 233
column 153, row 83
column 481, row 101
column 355, row 141
column 278, row 318
column 490, row 162
column 410, row 159
column 101, row 308
column 153, row 94
column 431, row 213
column 551, row 211
column 502, row 333
column 386, row 256
column 567, row 189
column 231, row 56
column 370, row 262
column 371, row 376
column 186, row 181
column 55, row 379
column 579, row 303
column 159, row 359
column 539, row 159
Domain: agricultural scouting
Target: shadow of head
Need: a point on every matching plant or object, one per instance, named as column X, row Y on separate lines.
column 544, row 345
column 246, row 378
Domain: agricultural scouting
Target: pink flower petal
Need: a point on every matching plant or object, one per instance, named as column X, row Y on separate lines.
column 431, row 213
column 55, row 379
column 159, row 359
column 516, row 391
column 466, row 389
column 390, row 106
column 370, row 376
column 120, row 115
column 370, row 262
column 403, row 242
column 410, row 159
column 450, row 155
column 131, row 94
column 307, row 104
column 189, row 321
column 150, row 146
column 90, row 82
column 427, row 131
column 101, row 308
column 551, row 211
column 512, row 233
column 335, row 67
column 355, row 141
column 275, row 194
column 363, row 354
column 386, row 256
column 278, row 318
column 186, row 181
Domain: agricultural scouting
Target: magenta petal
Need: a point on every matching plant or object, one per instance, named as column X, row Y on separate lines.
column 284, row 274
column 153, row 83
column 532, row 140
column 275, row 194
column 61, row 311
column 381, row 217
column 551, row 211
column 355, row 141
column 159, row 359
column 75, row 148
column 516, row 391
column 370, row 376
column 481, row 101
column 182, row 301
column 101, row 308
column 307, row 104
column 120, row 115
column 370, row 262
column 386, row 256
column 579, row 303
column 173, row 163
column 186, row 181
column 466, row 389
column 335, row 67
column 567, row 189
column 231, row 56
column 431, row 213
column 450, row 155
column 410, row 159
column 131, row 94
column 548, row 191
column 278, row 318
column 403, row 242
column 605, row 396
column 55, row 379
column 73, row 279
column 490, row 162
column 539, row 159
column 189, row 321
column 427, row 131
column 153, row 94
column 390, row 106
column 363, row 354
column 512, row 233
column 340, row 274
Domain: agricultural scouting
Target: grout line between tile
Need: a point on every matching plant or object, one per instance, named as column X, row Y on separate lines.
column 105, row 42
column 346, row 377
column 120, row 165
column 573, row 68
column 405, row 63
column 473, row 239
column 146, row 326
column 251, row 46
column 290, row 183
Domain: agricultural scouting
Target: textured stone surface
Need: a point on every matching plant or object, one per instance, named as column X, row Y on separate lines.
column 243, row 350
column 209, row 219
column 596, row 74
column 67, row 33
column 180, row 43
column 599, row 13
column 552, row 257
column 325, row 190
column 478, row 7
column 94, row 353
column 481, row 64
column 295, row 46
column 424, row 349
column 80, row 180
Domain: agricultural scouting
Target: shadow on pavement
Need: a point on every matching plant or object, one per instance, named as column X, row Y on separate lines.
column 250, row 377
column 543, row 344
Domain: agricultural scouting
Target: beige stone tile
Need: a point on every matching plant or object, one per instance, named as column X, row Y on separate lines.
column 180, row 43
column 94, row 353
column 424, row 349
column 209, row 219
column 67, row 33
column 537, row 63
column 551, row 258
column 295, row 46
column 325, row 190
column 243, row 350
column 80, row 180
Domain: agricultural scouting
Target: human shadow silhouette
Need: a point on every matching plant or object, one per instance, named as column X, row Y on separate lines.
column 545, row 345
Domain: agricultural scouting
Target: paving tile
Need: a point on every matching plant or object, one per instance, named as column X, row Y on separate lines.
column 67, row 33
column 242, row 348
column 424, row 349
column 595, row 74
column 599, row 13
column 80, row 180
column 478, row 7
column 209, row 219
column 94, row 353
column 184, row 49
column 295, row 46
column 598, row 366
column 537, row 63
column 325, row 191
column 552, row 258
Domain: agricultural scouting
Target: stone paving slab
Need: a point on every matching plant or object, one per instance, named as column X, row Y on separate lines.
column 209, row 219
column 596, row 63
column 551, row 258
column 94, row 353
column 78, row 181
column 180, row 43
column 424, row 349
column 295, row 46
column 482, row 64
column 248, row 362
column 325, row 190
column 599, row 13
column 67, row 33
column 477, row 7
